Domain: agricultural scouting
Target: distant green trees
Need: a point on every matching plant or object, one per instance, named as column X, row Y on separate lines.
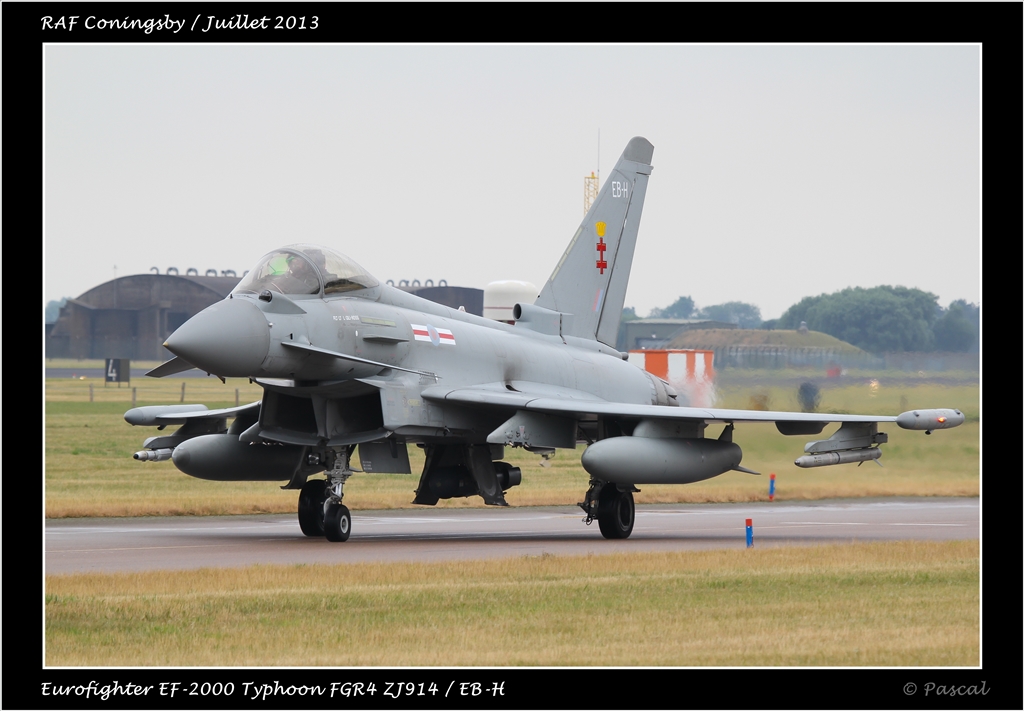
column 52, row 312
column 737, row 312
column 882, row 319
column 885, row 319
column 744, row 315
column 628, row 314
column 958, row 328
column 680, row 308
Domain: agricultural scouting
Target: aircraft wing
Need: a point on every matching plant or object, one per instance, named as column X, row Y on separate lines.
column 196, row 420
column 579, row 405
column 157, row 415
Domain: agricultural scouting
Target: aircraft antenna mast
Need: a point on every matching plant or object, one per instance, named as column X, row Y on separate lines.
column 592, row 184
column 590, row 189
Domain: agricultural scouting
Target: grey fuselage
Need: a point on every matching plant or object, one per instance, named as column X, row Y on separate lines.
column 444, row 347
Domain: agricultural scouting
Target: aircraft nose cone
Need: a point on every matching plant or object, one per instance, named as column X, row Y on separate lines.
column 230, row 339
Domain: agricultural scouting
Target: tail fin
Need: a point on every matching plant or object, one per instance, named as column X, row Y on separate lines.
column 591, row 277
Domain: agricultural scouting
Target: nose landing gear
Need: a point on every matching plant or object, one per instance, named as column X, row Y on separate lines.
column 337, row 522
column 312, row 503
column 321, row 512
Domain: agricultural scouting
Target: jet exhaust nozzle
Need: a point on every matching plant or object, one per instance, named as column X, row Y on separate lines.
column 452, row 482
column 508, row 475
column 457, row 481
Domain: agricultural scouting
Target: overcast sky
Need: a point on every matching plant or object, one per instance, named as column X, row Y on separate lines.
column 779, row 171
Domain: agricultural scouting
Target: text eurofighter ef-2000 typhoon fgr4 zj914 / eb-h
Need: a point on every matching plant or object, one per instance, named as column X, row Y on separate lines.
column 346, row 361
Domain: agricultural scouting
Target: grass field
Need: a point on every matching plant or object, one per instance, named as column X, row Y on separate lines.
column 882, row 604
column 89, row 470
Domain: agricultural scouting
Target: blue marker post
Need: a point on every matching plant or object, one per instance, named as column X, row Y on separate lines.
column 771, row 488
column 750, row 533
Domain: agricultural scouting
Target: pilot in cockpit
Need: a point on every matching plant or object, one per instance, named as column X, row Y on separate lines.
column 297, row 270
column 292, row 274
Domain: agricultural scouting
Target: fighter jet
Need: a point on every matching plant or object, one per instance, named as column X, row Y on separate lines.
column 346, row 361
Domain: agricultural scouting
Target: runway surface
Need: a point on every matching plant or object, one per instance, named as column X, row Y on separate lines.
column 133, row 544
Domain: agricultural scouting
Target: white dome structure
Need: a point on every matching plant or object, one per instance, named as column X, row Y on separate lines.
column 501, row 296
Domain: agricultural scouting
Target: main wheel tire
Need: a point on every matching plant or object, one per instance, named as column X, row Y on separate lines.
column 615, row 512
column 337, row 523
column 311, row 507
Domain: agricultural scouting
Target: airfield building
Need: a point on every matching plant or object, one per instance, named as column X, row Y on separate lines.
column 132, row 316
column 469, row 299
column 648, row 333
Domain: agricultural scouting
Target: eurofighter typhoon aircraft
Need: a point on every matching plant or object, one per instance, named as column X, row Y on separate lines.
column 346, row 361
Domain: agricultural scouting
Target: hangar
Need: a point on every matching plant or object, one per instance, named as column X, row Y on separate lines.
column 132, row 316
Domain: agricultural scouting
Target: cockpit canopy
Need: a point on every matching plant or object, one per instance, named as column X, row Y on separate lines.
column 306, row 269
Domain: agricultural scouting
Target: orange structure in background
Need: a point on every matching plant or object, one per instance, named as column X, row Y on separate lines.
column 690, row 372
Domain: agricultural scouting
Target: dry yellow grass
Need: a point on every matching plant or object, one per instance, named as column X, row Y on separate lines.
column 884, row 604
column 150, row 391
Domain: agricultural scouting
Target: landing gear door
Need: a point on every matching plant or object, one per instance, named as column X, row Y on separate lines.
column 389, row 457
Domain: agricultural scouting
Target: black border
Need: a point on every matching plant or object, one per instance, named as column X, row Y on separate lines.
column 995, row 26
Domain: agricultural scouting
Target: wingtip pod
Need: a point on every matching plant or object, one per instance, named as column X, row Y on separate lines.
column 928, row 420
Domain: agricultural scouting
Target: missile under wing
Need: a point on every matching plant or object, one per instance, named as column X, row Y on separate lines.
column 346, row 361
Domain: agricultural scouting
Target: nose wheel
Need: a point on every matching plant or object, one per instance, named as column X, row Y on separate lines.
column 321, row 512
column 337, row 522
column 312, row 498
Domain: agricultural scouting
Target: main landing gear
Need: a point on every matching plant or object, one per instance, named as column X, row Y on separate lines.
column 321, row 512
column 613, row 508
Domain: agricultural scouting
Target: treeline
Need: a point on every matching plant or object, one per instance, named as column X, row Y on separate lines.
column 887, row 319
column 744, row 315
column 882, row 319
column 53, row 308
